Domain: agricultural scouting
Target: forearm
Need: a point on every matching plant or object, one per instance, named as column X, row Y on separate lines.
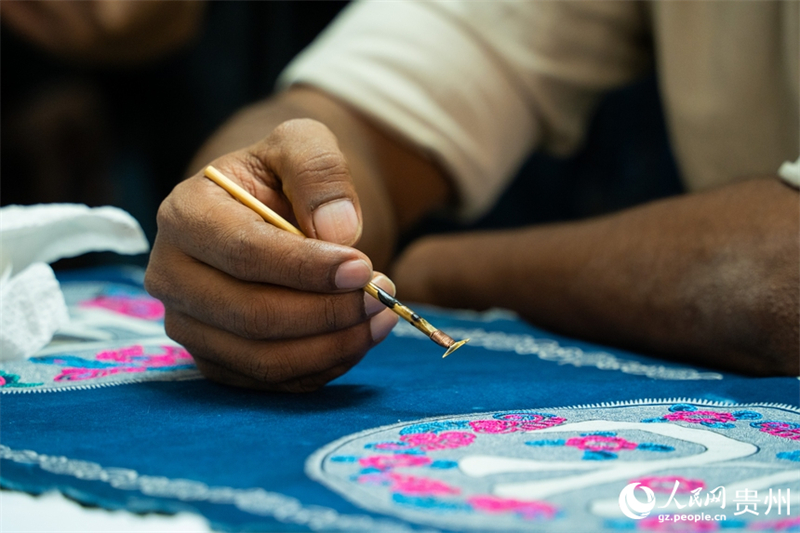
column 395, row 183
column 711, row 278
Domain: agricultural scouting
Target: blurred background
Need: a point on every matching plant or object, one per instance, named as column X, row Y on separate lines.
column 105, row 103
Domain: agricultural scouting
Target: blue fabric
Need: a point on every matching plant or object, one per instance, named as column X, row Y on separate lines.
column 226, row 437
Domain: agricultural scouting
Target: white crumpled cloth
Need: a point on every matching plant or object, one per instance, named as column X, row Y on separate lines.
column 790, row 173
column 32, row 307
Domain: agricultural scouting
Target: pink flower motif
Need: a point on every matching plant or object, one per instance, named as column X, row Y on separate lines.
column 651, row 523
column 123, row 355
column 546, row 423
column 786, row 430
column 420, row 486
column 136, row 306
column 494, row 426
column 598, row 443
column 388, row 462
column 135, row 354
column 409, row 485
column 130, row 359
column 443, row 441
column 516, row 422
column 533, row 421
column 700, row 417
column 527, row 509
column 666, row 483
column 78, row 374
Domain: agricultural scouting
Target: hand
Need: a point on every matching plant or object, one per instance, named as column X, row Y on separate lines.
column 257, row 306
column 710, row 277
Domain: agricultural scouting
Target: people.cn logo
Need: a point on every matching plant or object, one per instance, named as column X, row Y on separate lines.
column 633, row 508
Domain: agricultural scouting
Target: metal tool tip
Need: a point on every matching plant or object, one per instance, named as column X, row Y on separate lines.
column 455, row 346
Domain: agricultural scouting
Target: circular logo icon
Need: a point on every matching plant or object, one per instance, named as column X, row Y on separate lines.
column 633, row 508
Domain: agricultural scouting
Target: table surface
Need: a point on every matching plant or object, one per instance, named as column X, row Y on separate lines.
column 522, row 430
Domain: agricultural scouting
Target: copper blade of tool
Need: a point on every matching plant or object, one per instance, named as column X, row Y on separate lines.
column 436, row 335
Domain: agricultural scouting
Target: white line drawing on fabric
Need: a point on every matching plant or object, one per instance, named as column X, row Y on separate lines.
column 718, row 448
column 723, row 458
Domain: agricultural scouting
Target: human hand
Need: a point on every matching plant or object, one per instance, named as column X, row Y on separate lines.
column 710, row 278
column 257, row 306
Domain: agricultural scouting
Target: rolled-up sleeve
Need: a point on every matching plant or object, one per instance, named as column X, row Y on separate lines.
column 476, row 85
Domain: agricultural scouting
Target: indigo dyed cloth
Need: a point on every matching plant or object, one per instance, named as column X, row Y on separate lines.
column 521, row 430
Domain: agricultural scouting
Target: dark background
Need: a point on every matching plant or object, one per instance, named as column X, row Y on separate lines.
column 124, row 136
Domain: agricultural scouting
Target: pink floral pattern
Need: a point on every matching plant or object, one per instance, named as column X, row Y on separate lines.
column 687, row 413
column 597, row 443
column 388, row 462
column 143, row 307
column 700, row 417
column 130, row 359
column 442, row 441
column 777, row 428
column 526, row 509
column 515, row 422
column 410, row 485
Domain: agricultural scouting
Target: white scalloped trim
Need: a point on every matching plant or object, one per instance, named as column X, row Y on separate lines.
column 256, row 501
column 550, row 350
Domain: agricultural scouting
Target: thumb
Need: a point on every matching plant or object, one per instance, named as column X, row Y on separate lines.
column 304, row 155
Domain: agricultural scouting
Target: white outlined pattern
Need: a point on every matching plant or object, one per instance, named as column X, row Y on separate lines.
column 500, row 464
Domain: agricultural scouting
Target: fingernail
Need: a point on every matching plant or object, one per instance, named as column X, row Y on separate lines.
column 371, row 305
column 337, row 222
column 381, row 324
column 353, row 274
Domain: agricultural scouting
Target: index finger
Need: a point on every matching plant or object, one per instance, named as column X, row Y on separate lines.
column 205, row 222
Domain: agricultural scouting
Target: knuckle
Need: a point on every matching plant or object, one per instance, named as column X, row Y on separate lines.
column 214, row 373
column 292, row 267
column 176, row 328
column 165, row 214
column 240, row 253
column 254, row 319
column 340, row 311
column 175, row 205
column 331, row 313
column 297, row 127
column 155, row 283
column 323, row 166
column 272, row 370
column 318, row 265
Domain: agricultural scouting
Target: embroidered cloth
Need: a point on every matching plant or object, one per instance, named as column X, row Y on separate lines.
column 522, row 430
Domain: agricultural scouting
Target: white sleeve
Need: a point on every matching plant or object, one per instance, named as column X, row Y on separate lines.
column 476, row 85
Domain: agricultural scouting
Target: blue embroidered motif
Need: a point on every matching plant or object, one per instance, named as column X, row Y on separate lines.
column 794, row 455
